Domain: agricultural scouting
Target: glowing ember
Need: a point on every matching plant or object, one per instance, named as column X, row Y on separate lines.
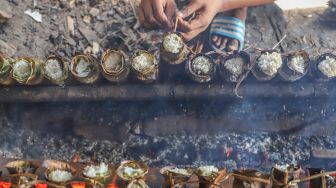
column 78, row 184
column 5, row 184
column 41, row 185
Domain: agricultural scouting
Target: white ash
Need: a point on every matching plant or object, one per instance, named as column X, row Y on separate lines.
column 173, row 43
column 328, row 67
column 235, row 65
column 297, row 64
column 53, row 69
column 83, row 68
column 201, row 65
column 22, row 69
column 269, row 63
column 142, row 62
column 60, row 176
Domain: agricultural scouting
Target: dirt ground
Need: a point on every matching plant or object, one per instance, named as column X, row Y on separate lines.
column 68, row 27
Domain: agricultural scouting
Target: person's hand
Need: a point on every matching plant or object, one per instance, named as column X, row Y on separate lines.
column 205, row 11
column 157, row 13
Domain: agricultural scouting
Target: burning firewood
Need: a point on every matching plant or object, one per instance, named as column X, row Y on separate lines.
column 5, row 70
column 56, row 70
column 85, row 69
column 133, row 173
column 27, row 71
column 296, row 65
column 114, row 66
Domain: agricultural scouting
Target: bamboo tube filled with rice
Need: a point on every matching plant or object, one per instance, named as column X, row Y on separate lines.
column 5, row 70
column 173, row 49
column 133, row 174
column 201, row 68
column 325, row 67
column 85, row 69
column 56, row 70
column 209, row 176
column 145, row 66
column 175, row 177
column 27, row 71
column 114, row 66
column 296, row 65
column 233, row 66
column 267, row 65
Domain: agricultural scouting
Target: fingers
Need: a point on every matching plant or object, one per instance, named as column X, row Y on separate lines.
column 170, row 10
column 149, row 20
column 160, row 15
column 198, row 22
column 191, row 8
column 190, row 35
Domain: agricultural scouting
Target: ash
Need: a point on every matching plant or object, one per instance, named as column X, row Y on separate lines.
column 231, row 150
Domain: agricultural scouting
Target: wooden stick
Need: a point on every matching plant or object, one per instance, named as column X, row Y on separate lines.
column 293, row 182
column 176, row 23
column 283, row 38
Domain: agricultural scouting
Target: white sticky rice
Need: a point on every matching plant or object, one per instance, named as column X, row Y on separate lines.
column 328, row 67
column 207, row 170
column 173, row 43
column 60, row 176
column 93, row 171
column 201, row 65
column 269, row 63
column 22, row 69
column 53, row 69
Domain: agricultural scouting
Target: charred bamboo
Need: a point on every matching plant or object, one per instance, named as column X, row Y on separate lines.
column 267, row 65
column 250, row 179
column 296, row 66
column 85, row 69
column 27, row 71
column 114, row 66
column 210, row 176
column 233, row 66
column 5, row 70
column 282, row 175
column 318, row 182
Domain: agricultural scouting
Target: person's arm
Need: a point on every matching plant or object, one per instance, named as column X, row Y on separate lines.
column 234, row 4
